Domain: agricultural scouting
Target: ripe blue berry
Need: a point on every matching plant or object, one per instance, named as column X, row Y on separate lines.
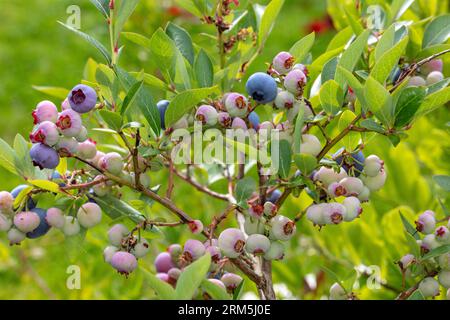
column 231, row 242
column 26, row 221
column 116, row 233
column 89, row 215
column 275, row 252
column 43, row 226
column 352, row 163
column 283, row 62
column 262, row 87
column 45, row 111
column 207, row 115
column 45, row 132
column 429, row 287
column 112, row 162
column 224, row 119
column 69, row 123
column 163, row 262
column 253, row 119
column 231, row 281
column 124, row 262
column 295, row 82
column 257, row 244
column 162, row 108
column 284, row 100
column 44, row 157
column 282, row 228
column 55, row 218
column 71, row 226
column 6, row 202
column 192, row 250
column 82, row 98
column 274, row 196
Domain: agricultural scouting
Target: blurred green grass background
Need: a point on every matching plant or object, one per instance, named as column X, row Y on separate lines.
column 35, row 50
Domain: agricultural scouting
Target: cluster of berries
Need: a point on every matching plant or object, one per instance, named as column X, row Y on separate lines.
column 430, row 73
column 31, row 222
column 353, row 181
column 62, row 133
column 435, row 236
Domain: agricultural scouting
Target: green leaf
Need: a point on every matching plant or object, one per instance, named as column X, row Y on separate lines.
column 306, row 163
column 351, row 56
column 268, row 19
column 182, row 40
column 7, row 157
column 22, row 196
column 340, row 39
column 125, row 10
column 60, row 93
column 191, row 278
column 238, row 291
column 112, row 119
column 184, row 102
column 302, row 47
column 152, row 81
column 350, row 141
column 416, row 295
column 331, row 97
column 434, row 100
column 372, row 125
column 284, row 159
column 162, row 289
column 409, row 228
column 388, row 61
column 353, row 83
column 163, row 51
column 244, row 190
column 214, row 291
column 329, row 70
column 399, row 7
column 204, row 70
column 299, row 128
column 407, row 105
column 46, row 185
column 131, row 95
column 24, row 165
column 443, row 182
column 437, row 252
column 102, row 6
column 379, row 101
column 385, row 43
column 91, row 40
column 437, row 31
column 137, row 38
column 116, row 208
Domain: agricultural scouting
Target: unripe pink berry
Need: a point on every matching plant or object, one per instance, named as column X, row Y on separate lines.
column 444, row 279
column 236, row 105
column 192, row 250
column 89, row 215
column 46, row 132
column 417, row 81
column 65, row 105
column 231, row 242
column 87, row 149
column 71, row 226
column 141, row 248
column 283, row 228
column 266, row 126
column 69, row 123
column 257, row 244
column 336, row 190
column 112, row 162
column 270, row 209
column 5, row 223
column 353, row 208
column 109, row 252
column 301, row 67
column 224, row 119
column 252, row 226
column 426, row 223
column 15, row 236
column 337, row 292
column 116, row 233
column 334, row 213
column 215, row 253
column 310, row 145
column 196, row 226
column 429, row 242
column 26, row 221
column 174, row 274
column 6, row 202
column 429, row 287
column 442, row 234
column 434, row 77
column 96, row 159
column 275, row 252
column 375, row 183
column 67, row 147
column 163, row 277
column 231, row 281
column 218, row 283
column 82, row 136
column 55, row 218
column 295, row 82
column 406, row 261
column 315, row 214
column 239, row 123
column 256, row 211
column 207, row 115
column 163, row 262
column 352, row 185
column 373, row 165
column 124, row 262
column 433, row 65
column 285, row 100
column 327, row 175
column 101, row 189
column 283, row 62
column 45, row 111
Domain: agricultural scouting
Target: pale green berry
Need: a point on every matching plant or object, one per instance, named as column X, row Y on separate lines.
column 375, row 183
column 275, row 252
column 429, row 287
column 257, row 244
column 444, row 278
column 310, row 145
column 116, row 233
column 253, row 226
column 282, row 229
column 141, row 249
column 71, row 226
column 109, row 252
column 15, row 236
column 337, row 292
column 89, row 215
column 353, row 208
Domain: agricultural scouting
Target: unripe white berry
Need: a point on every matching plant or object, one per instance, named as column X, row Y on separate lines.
column 116, row 233
column 6, row 202
column 364, row 195
column 112, row 162
column 282, row 229
column 314, row 213
column 87, row 149
column 327, row 175
column 101, row 189
column 353, row 208
column 429, row 242
column 417, row 81
column 406, row 261
column 334, row 213
column 310, row 145
column 253, row 226
column 275, row 252
column 71, row 226
column 352, row 185
column 372, row 165
column 15, row 236
column 375, row 183
column 257, row 244
column 444, row 261
column 444, row 278
column 141, row 249
column 426, row 223
column 429, row 287
column 55, row 218
column 434, row 77
column 337, row 292
column 89, row 215
column 109, row 252
column 442, row 234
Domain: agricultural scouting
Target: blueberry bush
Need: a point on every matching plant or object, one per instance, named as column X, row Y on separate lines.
column 298, row 128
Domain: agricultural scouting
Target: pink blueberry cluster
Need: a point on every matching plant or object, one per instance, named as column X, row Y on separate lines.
column 435, row 271
column 430, row 74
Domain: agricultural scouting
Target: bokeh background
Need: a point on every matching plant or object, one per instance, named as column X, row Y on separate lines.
column 35, row 50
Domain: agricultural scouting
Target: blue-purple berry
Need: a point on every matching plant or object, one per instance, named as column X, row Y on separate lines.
column 82, row 98
column 162, row 108
column 262, row 87
column 44, row 157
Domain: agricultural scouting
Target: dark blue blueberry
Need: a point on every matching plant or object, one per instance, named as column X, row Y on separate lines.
column 351, row 164
column 262, row 87
column 57, row 176
column 82, row 98
column 162, row 107
column 15, row 192
column 43, row 156
column 274, row 196
column 253, row 118
column 43, row 227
